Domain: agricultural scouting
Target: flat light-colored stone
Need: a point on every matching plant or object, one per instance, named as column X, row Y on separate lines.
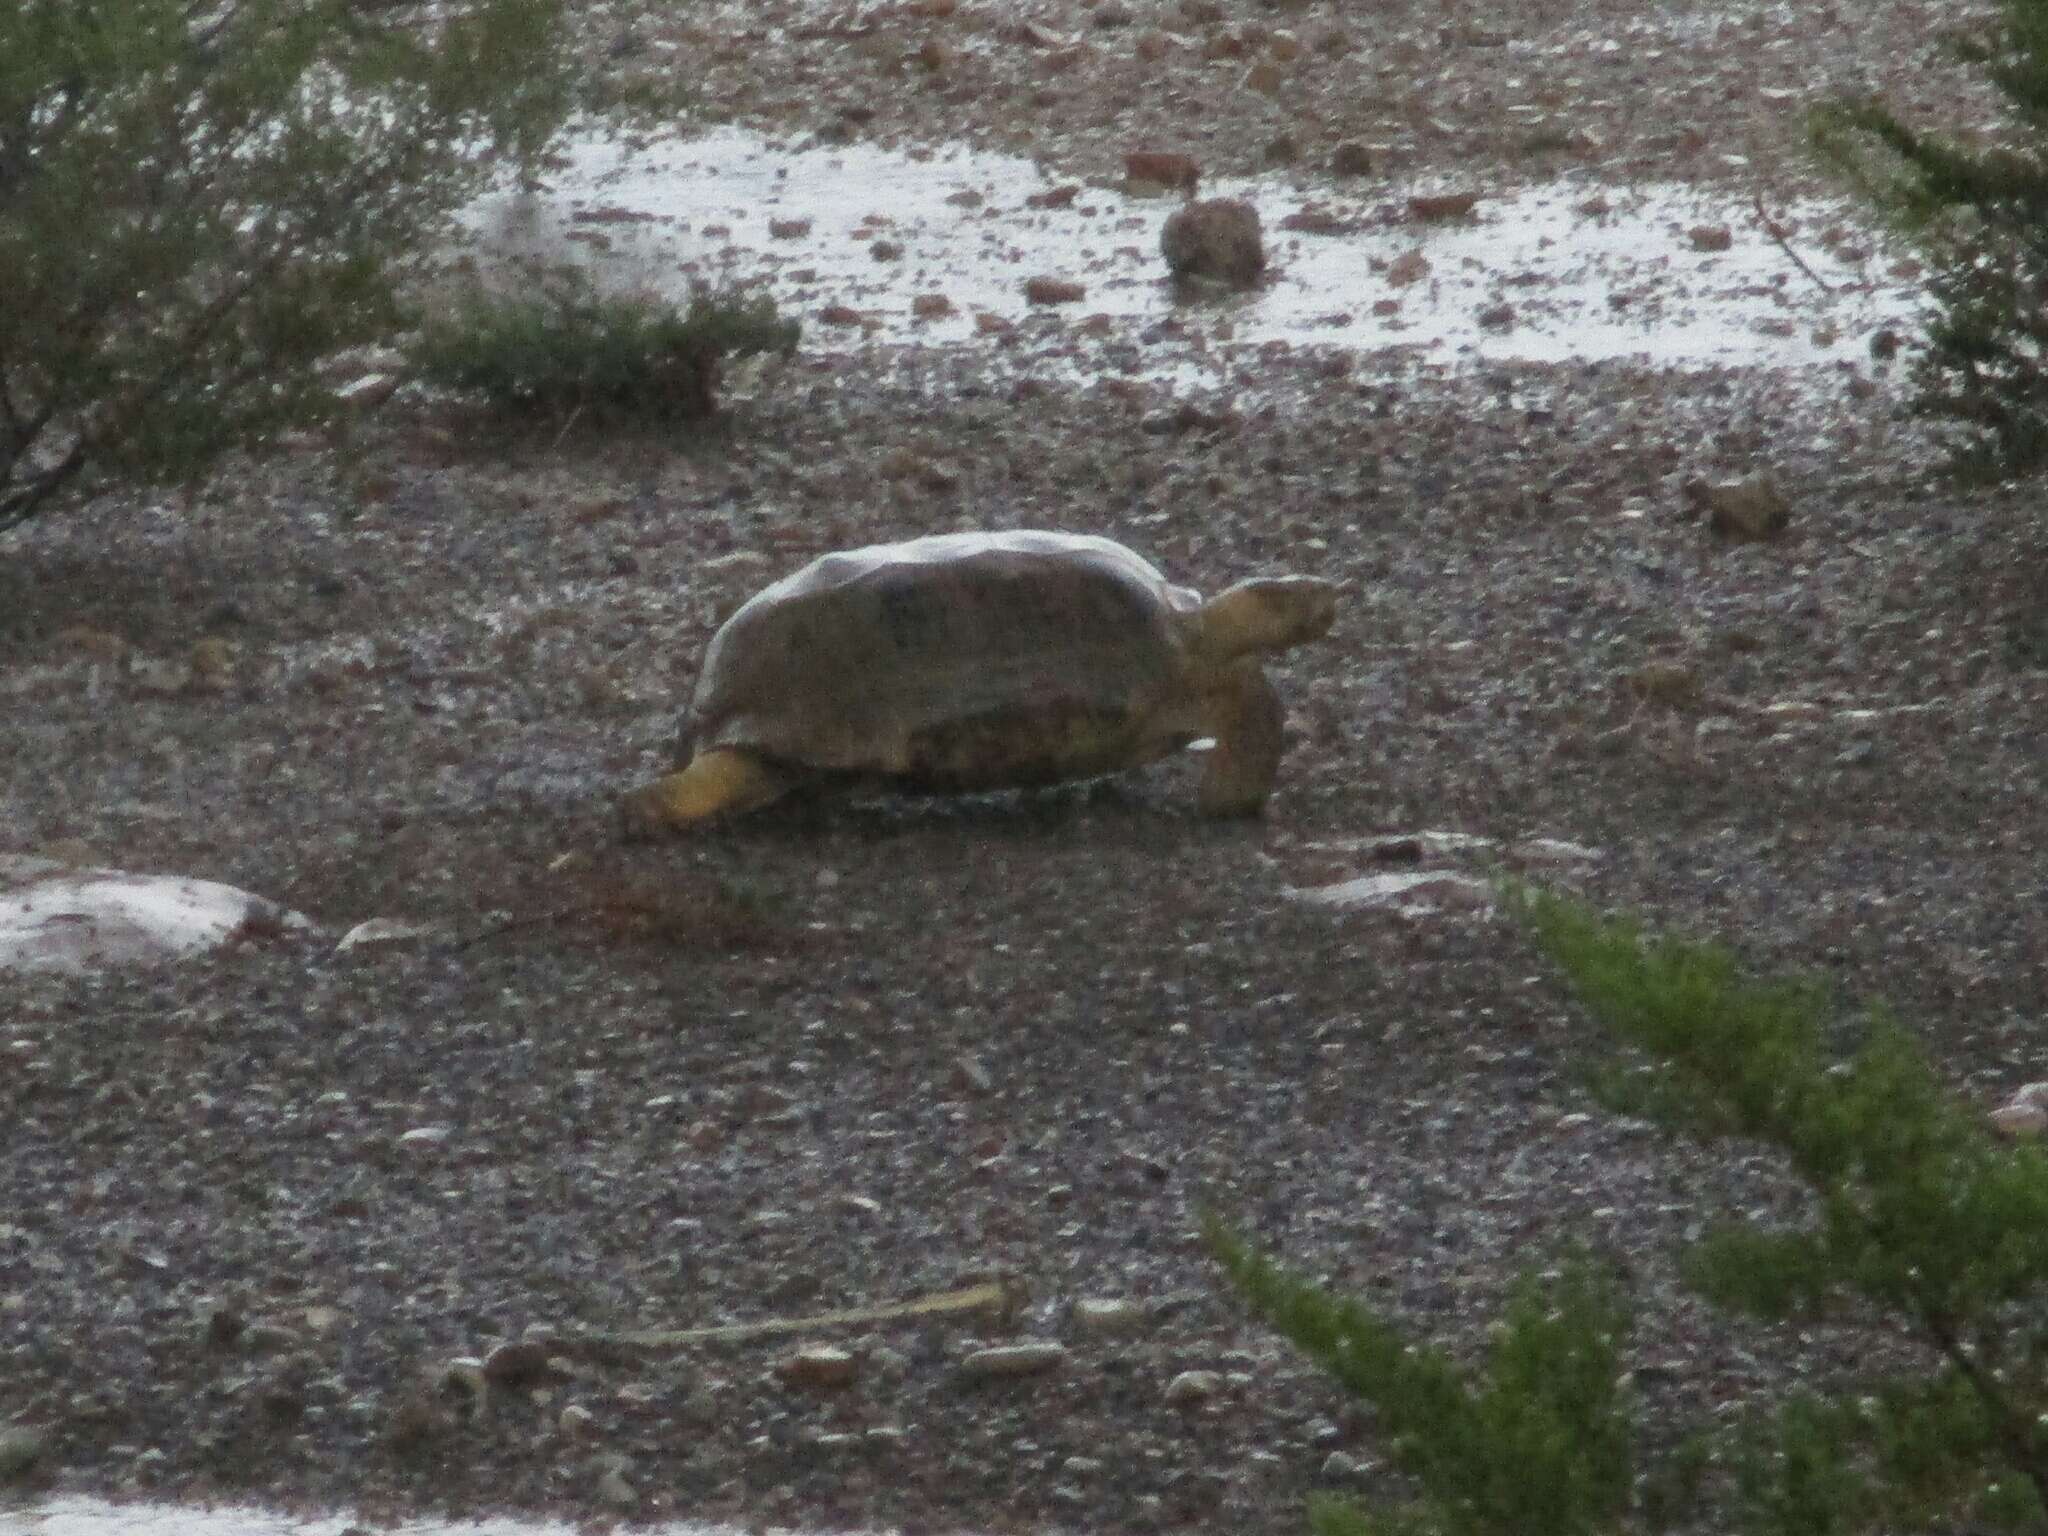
column 58, row 917
column 1104, row 1315
column 1406, row 889
column 1003, row 1360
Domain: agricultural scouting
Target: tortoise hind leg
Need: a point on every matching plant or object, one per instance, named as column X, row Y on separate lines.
column 1243, row 713
column 720, row 782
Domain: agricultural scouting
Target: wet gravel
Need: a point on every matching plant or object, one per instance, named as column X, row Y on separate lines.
column 857, row 1052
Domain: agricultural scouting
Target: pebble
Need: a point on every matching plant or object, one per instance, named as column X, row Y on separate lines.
column 1752, row 508
column 1159, row 168
column 1350, row 159
column 21, row 1452
column 1054, row 290
column 820, row 1367
column 1435, row 207
column 1104, row 1315
column 518, row 1366
column 614, row 1491
column 1190, row 1388
column 1004, row 1360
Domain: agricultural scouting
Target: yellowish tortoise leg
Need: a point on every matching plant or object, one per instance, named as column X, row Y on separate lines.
column 720, row 782
column 1244, row 714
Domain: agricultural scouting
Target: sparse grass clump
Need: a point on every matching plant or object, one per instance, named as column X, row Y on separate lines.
column 563, row 349
column 1927, row 1233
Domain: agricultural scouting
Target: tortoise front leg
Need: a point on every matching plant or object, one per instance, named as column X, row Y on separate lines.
column 1244, row 714
column 721, row 782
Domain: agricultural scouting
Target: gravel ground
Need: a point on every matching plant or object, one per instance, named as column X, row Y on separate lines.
column 857, row 1052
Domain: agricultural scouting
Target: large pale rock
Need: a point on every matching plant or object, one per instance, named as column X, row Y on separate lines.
column 56, row 916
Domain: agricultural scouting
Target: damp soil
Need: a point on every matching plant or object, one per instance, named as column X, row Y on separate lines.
column 859, row 1050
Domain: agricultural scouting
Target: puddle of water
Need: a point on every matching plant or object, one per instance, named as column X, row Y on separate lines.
column 860, row 234
column 74, row 1516
column 57, row 917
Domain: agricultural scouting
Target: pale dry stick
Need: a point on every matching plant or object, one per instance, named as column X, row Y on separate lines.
column 1000, row 1299
column 1771, row 228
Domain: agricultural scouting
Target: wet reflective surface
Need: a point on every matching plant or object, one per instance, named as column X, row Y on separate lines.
column 937, row 246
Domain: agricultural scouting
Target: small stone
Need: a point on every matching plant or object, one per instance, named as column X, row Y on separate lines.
column 519, row 1366
column 2020, row 1121
column 1148, row 168
column 1265, row 77
column 820, row 1367
column 788, row 229
column 1751, row 508
column 1671, row 684
column 971, row 1075
column 365, row 394
column 1350, row 159
column 212, row 663
column 22, row 1450
column 1191, row 1388
column 1710, row 237
column 886, row 250
column 614, row 1492
column 1153, row 46
column 1218, row 239
column 224, row 1326
column 1436, row 207
column 576, row 1421
column 1410, row 266
column 425, row 1138
column 1340, row 1466
column 1054, row 290
column 1101, row 1316
column 1006, row 1360
column 1055, row 197
column 931, row 306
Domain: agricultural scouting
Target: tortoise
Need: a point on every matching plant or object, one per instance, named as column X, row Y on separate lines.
column 977, row 661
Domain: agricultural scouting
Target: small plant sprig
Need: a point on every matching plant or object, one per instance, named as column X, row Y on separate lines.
column 1540, row 1445
column 1981, row 215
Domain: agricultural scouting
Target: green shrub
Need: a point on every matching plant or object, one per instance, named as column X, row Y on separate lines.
column 1981, row 213
column 560, row 348
column 198, row 202
column 1926, row 1231
column 1540, row 1447
column 1926, row 1228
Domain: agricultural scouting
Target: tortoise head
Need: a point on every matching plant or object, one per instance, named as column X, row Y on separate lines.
column 1267, row 614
